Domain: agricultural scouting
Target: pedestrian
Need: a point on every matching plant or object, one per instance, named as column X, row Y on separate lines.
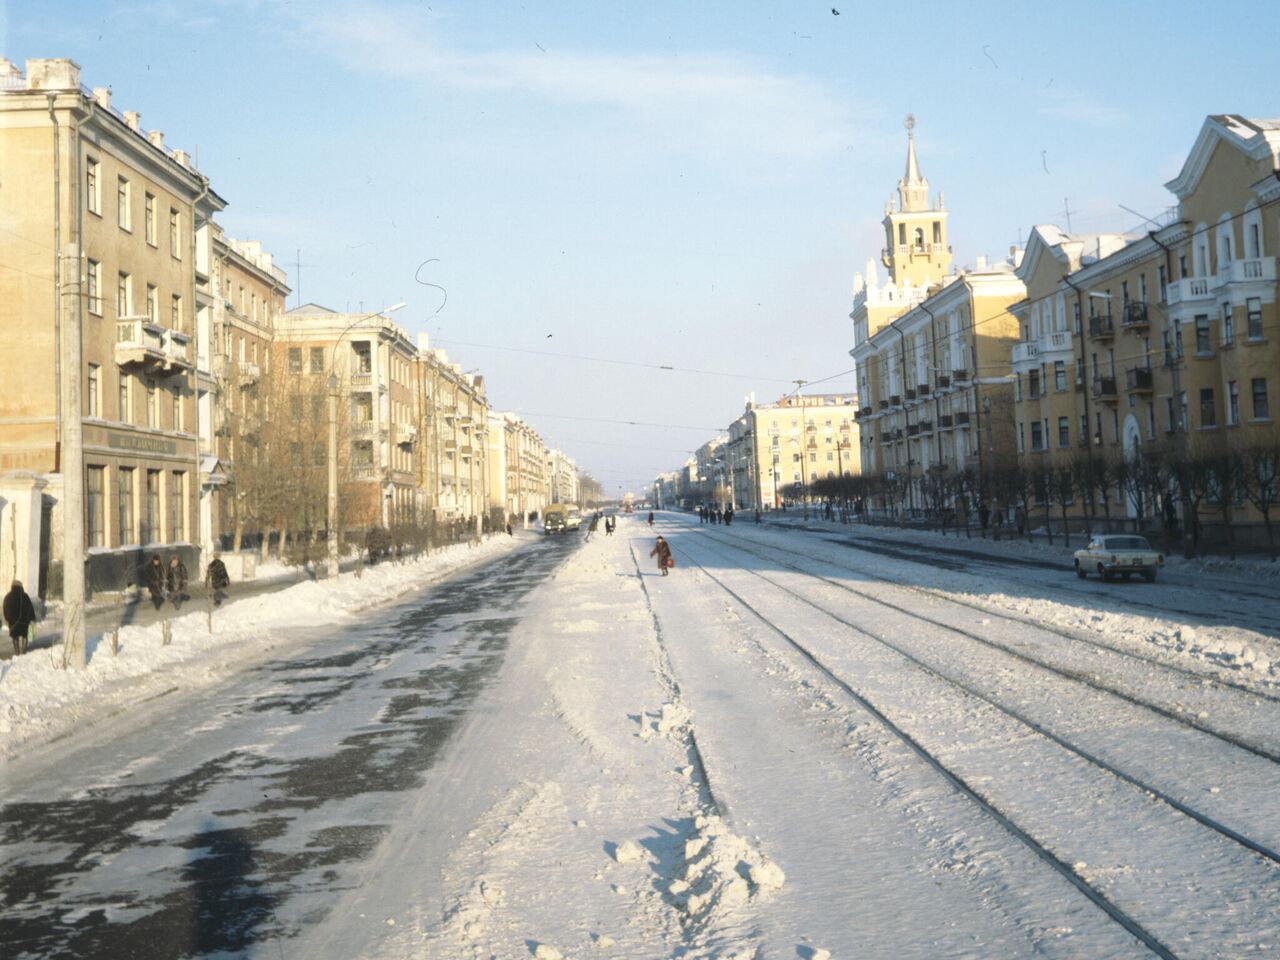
column 702, row 514
column 757, row 516
column 177, row 581
column 651, row 518
column 216, row 579
column 728, row 514
column 663, row 552
column 984, row 515
column 510, row 532
column 591, row 527
column 154, row 580
column 608, row 526
column 19, row 616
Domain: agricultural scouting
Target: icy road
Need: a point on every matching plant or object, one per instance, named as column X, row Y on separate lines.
column 789, row 747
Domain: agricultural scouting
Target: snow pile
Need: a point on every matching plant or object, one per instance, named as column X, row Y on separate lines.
column 721, row 872
column 39, row 699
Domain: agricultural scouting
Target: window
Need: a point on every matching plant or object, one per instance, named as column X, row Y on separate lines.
column 1164, row 284
column 153, row 309
column 361, row 408
column 295, row 359
column 1228, row 327
column 151, row 516
column 124, row 506
column 363, row 357
column 902, row 234
column 175, row 312
column 295, row 408
column 1084, row 428
column 1177, row 340
column 1254, row 307
column 124, row 295
column 362, row 453
column 149, row 219
column 1233, row 404
column 1185, row 417
column 1064, row 432
column 937, row 232
column 153, row 405
column 177, row 421
column 1033, row 385
column 1037, row 435
column 93, row 185
column 177, row 507
column 94, row 506
column 175, row 233
column 1202, row 335
column 95, row 287
column 93, row 392
column 125, row 398
column 317, row 360
column 124, row 219
column 1059, row 375
column 1208, row 416
column 318, row 457
column 1151, row 421
column 318, row 412
column 1261, row 407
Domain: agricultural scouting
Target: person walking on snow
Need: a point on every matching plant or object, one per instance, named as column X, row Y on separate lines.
column 19, row 615
column 155, row 580
column 651, row 518
column 177, row 581
column 216, row 579
column 663, row 552
column 592, row 527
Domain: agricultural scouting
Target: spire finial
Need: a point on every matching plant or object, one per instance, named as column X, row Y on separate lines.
column 910, row 124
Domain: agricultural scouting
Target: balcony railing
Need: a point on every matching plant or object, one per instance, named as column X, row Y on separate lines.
column 960, row 376
column 1101, row 328
column 143, row 345
column 1138, row 380
column 883, row 404
column 944, row 421
column 248, row 372
column 1135, row 315
column 962, row 418
column 944, row 381
column 1244, row 271
column 913, row 429
column 1104, row 388
column 1024, row 351
column 910, row 393
column 922, row 390
column 361, row 378
column 1188, row 288
column 895, row 400
column 926, row 426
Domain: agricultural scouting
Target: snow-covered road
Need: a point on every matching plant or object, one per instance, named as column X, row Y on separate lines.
column 787, row 748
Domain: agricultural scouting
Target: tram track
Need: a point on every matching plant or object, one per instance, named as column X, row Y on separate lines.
column 1096, row 896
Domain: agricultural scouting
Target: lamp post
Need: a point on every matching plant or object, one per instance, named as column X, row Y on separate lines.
column 333, row 435
column 804, row 446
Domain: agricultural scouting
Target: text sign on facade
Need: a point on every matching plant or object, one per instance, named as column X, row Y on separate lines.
column 137, row 444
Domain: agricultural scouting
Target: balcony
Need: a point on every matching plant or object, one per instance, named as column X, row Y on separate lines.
column 1101, row 328
column 913, row 429
column 960, row 376
column 1188, row 289
column 883, row 404
column 1104, row 388
column 139, row 344
column 1138, row 380
column 895, row 400
column 1135, row 316
column 406, row 436
column 362, row 378
column 926, row 426
column 910, row 393
column 248, row 373
column 362, row 428
column 944, row 421
column 220, row 366
column 962, row 418
column 1025, row 351
column 1259, row 269
column 177, row 352
column 923, row 390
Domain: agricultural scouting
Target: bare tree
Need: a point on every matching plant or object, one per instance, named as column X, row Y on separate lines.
column 1260, row 476
column 1062, row 489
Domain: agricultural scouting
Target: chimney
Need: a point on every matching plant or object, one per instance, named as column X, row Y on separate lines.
column 981, row 262
column 10, row 75
column 53, row 75
column 182, row 157
column 156, row 138
column 103, row 96
column 133, row 120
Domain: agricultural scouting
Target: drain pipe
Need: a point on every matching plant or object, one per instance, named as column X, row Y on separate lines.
column 57, row 276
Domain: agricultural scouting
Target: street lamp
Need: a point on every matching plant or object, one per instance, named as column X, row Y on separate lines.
column 333, row 435
column 804, row 446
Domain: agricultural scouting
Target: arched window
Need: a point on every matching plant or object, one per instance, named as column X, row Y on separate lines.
column 919, row 238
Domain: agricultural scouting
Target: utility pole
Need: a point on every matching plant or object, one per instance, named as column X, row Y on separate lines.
column 73, row 549
column 804, row 446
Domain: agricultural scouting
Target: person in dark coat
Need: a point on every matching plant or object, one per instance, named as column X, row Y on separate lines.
column 177, row 581
column 216, row 579
column 19, row 615
column 154, row 579
column 728, row 515
column 592, row 526
column 651, row 518
column 662, row 551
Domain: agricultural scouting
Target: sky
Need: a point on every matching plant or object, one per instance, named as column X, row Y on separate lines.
column 642, row 213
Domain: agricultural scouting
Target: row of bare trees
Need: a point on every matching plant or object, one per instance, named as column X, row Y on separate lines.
column 1169, row 486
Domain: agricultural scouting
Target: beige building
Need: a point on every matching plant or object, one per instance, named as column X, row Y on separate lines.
column 562, row 478
column 776, row 450
column 77, row 171
column 453, row 419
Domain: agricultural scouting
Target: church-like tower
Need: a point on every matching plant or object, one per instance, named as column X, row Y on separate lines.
column 916, row 248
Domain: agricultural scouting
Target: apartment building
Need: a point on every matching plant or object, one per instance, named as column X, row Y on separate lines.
column 371, row 360
column 453, row 417
column 1154, row 346
column 562, row 478
column 80, row 175
column 931, row 348
column 776, row 450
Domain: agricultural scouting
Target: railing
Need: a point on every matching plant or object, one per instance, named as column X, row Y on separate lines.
column 944, row 381
column 362, row 379
column 895, row 400
column 1101, row 328
column 883, row 404
column 923, row 389
column 926, row 426
column 361, row 428
column 910, row 393
column 1135, row 314
column 249, row 372
column 1104, row 388
column 1024, row 351
column 959, row 376
column 913, row 429
column 141, row 333
column 1138, row 379
column 1241, row 271
column 944, row 421
column 962, row 418
column 1055, row 341
column 1188, row 288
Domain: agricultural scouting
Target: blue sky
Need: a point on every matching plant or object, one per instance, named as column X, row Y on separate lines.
column 689, row 185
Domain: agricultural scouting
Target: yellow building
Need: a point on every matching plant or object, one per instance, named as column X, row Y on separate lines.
column 78, row 174
column 776, row 451
column 1147, row 363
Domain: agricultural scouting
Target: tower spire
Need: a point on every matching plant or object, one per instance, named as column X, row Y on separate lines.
column 913, row 166
column 913, row 189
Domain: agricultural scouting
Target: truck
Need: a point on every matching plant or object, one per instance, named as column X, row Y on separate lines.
column 561, row 517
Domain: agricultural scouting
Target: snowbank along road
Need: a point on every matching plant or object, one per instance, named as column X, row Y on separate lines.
column 787, row 748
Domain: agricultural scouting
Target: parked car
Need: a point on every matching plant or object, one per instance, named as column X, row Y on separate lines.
column 1118, row 555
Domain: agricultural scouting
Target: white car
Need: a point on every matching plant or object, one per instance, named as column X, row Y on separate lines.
column 1118, row 555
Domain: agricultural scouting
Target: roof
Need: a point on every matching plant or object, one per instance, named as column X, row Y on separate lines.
column 308, row 309
column 1258, row 139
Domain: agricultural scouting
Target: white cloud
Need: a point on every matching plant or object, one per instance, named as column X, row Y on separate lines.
column 709, row 104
